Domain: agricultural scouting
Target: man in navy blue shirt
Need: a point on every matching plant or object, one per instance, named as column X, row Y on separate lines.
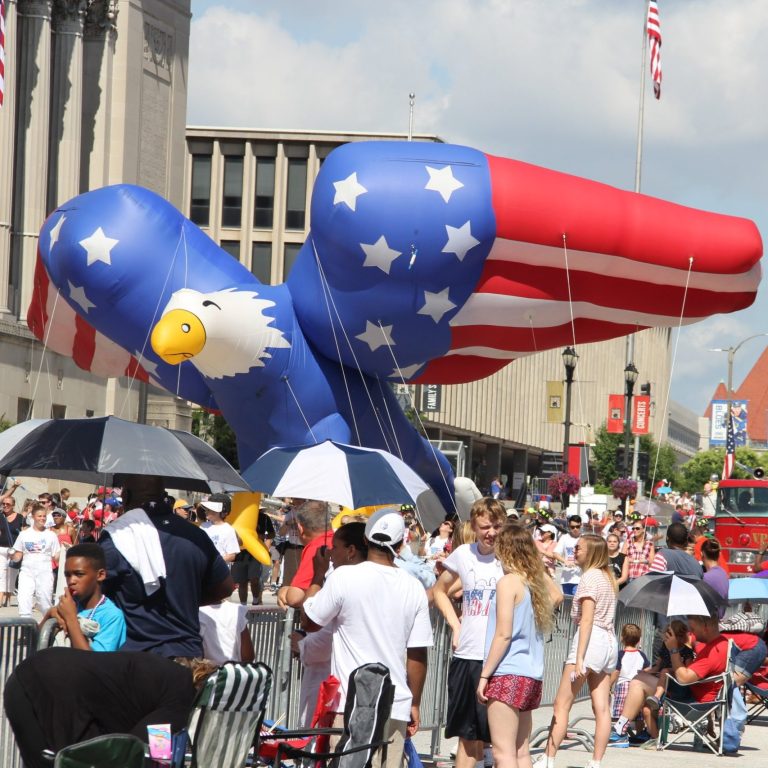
column 163, row 618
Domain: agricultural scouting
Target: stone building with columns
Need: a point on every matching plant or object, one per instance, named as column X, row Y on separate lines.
column 95, row 94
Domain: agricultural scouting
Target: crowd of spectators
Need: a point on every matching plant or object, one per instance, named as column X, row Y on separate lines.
column 154, row 576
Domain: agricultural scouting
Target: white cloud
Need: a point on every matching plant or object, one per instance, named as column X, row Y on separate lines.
column 556, row 84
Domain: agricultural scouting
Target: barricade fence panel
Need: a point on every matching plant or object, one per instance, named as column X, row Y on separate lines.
column 18, row 639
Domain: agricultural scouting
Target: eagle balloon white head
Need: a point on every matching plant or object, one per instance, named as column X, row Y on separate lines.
column 223, row 333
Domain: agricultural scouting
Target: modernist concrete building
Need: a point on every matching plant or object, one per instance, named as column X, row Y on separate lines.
column 250, row 190
column 95, row 94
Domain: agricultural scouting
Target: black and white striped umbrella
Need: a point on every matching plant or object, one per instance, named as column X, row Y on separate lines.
column 672, row 595
column 101, row 450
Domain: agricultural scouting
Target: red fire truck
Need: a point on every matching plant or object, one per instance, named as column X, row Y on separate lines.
column 741, row 521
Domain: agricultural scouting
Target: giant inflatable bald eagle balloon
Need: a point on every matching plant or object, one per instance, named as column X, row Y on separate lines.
column 432, row 261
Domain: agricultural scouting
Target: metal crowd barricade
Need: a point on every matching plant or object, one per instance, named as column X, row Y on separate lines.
column 271, row 628
column 18, row 639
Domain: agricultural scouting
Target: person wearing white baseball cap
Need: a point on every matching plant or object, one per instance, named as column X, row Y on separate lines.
column 378, row 613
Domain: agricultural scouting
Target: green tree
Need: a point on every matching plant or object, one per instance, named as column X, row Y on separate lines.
column 213, row 428
column 661, row 459
column 697, row 471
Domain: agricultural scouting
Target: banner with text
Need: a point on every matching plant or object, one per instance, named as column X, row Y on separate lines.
column 718, row 424
column 641, row 415
column 615, row 423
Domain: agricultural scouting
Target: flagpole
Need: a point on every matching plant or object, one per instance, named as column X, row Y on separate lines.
column 641, row 111
column 638, row 170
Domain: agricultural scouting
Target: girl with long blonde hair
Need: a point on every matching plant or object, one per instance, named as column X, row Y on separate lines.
column 519, row 615
column 594, row 651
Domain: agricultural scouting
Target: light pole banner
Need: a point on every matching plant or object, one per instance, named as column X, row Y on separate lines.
column 615, row 421
column 641, row 415
column 718, row 422
column 555, row 405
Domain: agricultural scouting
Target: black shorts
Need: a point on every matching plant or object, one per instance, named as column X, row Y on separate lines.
column 246, row 568
column 466, row 717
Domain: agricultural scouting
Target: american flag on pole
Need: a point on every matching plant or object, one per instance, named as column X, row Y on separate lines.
column 654, row 39
column 730, row 448
column 2, row 50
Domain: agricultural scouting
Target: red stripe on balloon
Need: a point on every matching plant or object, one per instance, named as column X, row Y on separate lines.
column 537, row 205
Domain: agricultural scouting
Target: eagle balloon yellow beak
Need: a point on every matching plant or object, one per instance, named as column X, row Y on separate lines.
column 178, row 336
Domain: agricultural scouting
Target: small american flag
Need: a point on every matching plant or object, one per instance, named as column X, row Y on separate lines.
column 730, row 448
column 2, row 50
column 654, row 38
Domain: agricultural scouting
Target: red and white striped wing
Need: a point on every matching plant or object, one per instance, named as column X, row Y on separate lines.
column 60, row 328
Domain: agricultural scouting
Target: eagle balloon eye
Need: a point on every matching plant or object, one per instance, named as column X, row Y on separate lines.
column 185, row 327
column 209, row 303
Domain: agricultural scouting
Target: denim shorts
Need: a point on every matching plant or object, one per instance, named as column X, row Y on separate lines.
column 748, row 662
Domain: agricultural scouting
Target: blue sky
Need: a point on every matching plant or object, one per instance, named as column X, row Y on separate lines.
column 556, row 84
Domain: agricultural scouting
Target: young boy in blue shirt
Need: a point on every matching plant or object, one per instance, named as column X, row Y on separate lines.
column 91, row 620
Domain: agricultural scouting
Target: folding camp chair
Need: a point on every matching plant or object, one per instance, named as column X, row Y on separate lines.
column 758, row 707
column 115, row 750
column 227, row 715
column 367, row 710
column 317, row 739
column 694, row 717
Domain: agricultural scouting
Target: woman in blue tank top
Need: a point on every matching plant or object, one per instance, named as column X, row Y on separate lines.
column 519, row 614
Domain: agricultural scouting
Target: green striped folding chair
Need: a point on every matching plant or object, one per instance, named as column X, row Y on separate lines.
column 227, row 715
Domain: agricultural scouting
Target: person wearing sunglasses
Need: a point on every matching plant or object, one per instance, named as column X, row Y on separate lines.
column 565, row 553
column 640, row 551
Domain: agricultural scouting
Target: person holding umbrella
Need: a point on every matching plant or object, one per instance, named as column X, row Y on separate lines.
column 160, row 571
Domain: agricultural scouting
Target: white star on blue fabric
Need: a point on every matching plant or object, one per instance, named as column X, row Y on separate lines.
column 375, row 336
column 379, row 254
column 348, row 190
column 443, row 181
column 408, row 372
column 460, row 240
column 55, row 230
column 99, row 247
column 436, row 305
column 147, row 364
column 77, row 294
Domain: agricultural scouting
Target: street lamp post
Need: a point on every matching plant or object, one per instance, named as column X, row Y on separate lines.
column 630, row 377
column 731, row 354
column 570, row 358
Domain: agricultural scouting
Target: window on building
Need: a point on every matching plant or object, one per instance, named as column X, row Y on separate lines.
column 89, row 413
column 232, row 247
column 296, row 195
column 290, row 252
column 58, row 411
column 261, row 261
column 23, row 409
column 232, row 198
column 264, row 206
column 200, row 208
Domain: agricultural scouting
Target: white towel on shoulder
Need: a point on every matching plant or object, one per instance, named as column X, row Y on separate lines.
column 138, row 541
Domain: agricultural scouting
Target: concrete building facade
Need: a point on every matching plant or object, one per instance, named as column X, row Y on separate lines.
column 250, row 190
column 95, row 94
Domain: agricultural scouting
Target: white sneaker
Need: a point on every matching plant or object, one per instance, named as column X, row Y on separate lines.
column 594, row 764
column 542, row 761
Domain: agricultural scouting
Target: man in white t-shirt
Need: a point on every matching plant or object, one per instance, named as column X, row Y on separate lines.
column 378, row 613
column 476, row 568
column 223, row 536
column 565, row 551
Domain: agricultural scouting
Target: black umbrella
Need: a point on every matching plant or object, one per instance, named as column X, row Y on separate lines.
column 102, row 450
column 672, row 595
